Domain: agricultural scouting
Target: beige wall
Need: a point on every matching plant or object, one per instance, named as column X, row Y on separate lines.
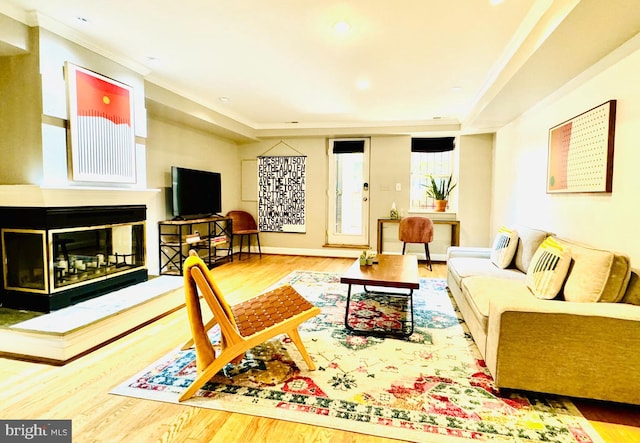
column 171, row 144
column 390, row 164
column 54, row 52
column 474, row 189
column 33, row 111
column 519, row 191
column 20, row 116
column 316, row 166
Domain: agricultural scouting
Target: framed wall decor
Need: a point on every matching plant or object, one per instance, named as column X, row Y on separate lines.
column 101, row 131
column 581, row 152
column 282, row 193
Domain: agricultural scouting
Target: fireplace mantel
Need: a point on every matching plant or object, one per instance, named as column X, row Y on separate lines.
column 37, row 196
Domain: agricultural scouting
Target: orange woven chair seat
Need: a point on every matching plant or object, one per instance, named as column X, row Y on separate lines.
column 268, row 309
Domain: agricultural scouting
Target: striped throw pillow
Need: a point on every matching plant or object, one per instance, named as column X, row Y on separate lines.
column 504, row 247
column 548, row 269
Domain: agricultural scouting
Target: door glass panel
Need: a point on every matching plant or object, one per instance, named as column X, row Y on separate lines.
column 348, row 211
column 349, row 185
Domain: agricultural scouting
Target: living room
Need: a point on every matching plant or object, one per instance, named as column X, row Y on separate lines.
column 490, row 192
column 501, row 172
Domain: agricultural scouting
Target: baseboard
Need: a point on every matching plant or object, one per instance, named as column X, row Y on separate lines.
column 336, row 252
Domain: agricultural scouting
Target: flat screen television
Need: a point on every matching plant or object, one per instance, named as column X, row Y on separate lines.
column 195, row 193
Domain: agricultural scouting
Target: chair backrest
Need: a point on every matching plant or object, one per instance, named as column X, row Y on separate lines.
column 415, row 230
column 197, row 275
column 242, row 221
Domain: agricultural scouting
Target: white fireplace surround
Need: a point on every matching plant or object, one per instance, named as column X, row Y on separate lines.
column 37, row 196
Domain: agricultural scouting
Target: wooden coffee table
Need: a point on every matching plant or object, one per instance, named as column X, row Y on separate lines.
column 390, row 271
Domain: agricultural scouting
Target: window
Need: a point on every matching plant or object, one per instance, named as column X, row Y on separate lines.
column 429, row 157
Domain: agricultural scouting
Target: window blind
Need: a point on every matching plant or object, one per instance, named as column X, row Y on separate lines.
column 348, row 146
column 433, row 144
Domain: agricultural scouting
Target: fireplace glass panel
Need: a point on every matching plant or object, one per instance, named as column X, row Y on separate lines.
column 24, row 266
column 81, row 255
column 74, row 256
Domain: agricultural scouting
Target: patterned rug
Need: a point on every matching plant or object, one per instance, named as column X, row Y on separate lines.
column 431, row 387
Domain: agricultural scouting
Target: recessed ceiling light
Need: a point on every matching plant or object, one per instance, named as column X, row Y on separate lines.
column 341, row 27
column 363, row 84
column 456, row 89
column 223, row 99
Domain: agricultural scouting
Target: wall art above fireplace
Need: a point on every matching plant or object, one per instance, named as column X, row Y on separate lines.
column 101, row 122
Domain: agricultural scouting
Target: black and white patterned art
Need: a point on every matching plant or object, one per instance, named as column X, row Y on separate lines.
column 282, row 193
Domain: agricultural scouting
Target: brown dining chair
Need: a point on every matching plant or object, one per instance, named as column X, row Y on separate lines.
column 244, row 226
column 243, row 326
column 416, row 230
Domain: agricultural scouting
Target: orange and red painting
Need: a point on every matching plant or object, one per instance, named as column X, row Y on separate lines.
column 102, row 135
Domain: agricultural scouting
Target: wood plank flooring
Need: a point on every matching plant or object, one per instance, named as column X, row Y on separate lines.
column 78, row 390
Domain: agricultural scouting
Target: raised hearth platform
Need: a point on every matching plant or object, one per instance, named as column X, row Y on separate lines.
column 63, row 335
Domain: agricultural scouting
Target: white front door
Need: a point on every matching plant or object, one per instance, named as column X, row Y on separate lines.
column 348, row 213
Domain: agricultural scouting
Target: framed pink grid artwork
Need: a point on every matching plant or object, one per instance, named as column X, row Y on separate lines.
column 581, row 152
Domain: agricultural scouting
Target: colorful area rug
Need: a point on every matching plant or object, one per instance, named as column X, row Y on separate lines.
column 431, row 387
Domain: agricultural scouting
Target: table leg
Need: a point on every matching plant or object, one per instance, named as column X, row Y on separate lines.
column 346, row 314
column 375, row 332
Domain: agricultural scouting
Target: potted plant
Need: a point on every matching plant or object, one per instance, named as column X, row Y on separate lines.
column 363, row 258
column 439, row 190
column 367, row 258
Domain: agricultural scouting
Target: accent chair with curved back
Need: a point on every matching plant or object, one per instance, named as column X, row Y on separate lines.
column 416, row 230
column 243, row 326
column 244, row 225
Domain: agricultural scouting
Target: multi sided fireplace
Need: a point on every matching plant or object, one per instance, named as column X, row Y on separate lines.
column 58, row 256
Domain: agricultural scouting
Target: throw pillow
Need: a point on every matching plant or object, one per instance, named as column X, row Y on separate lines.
column 632, row 295
column 530, row 240
column 504, row 247
column 548, row 269
column 597, row 275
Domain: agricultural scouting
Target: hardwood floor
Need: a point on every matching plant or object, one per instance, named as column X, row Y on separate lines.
column 78, row 390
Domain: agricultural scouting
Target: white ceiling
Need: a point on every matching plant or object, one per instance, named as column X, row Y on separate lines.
column 428, row 62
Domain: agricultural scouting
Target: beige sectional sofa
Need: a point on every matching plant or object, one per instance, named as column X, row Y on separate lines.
column 583, row 343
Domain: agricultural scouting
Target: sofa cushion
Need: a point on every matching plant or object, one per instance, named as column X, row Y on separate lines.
column 504, row 247
column 632, row 294
column 596, row 275
column 548, row 269
column 463, row 267
column 529, row 240
column 480, row 290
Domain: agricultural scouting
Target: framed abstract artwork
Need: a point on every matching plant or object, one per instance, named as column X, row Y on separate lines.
column 101, row 131
column 581, row 152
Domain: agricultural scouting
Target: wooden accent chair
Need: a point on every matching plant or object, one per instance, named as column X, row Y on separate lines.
column 416, row 230
column 242, row 326
column 245, row 225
